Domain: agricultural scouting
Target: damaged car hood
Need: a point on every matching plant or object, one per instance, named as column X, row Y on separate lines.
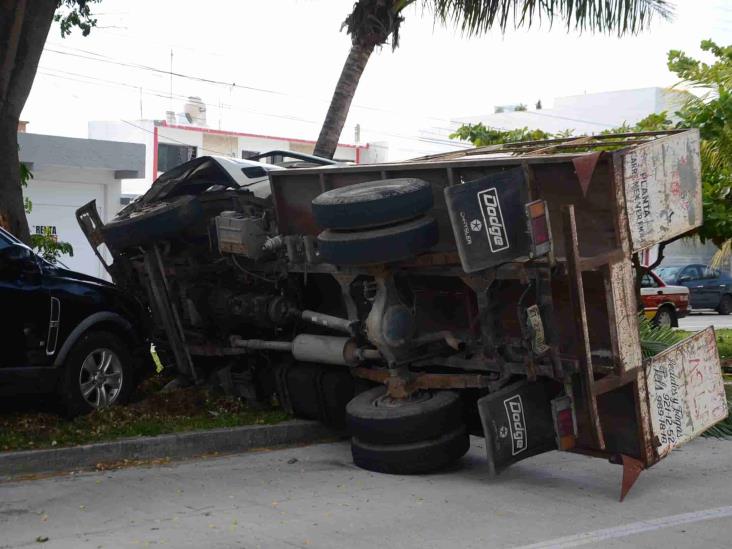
column 207, row 173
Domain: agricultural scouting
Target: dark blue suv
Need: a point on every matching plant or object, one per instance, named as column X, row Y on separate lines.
column 66, row 332
column 708, row 288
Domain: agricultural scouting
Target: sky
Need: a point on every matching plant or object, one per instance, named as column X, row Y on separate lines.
column 274, row 64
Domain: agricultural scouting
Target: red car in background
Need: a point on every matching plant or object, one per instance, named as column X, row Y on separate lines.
column 662, row 303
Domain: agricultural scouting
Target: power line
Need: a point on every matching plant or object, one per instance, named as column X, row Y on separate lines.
column 162, row 71
column 538, row 113
column 93, row 56
column 165, row 95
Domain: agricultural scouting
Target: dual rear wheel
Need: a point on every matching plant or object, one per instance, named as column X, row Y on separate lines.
column 421, row 434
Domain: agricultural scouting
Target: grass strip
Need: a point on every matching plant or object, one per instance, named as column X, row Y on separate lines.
column 152, row 413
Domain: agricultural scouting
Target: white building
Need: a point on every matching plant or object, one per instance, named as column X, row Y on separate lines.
column 169, row 143
column 68, row 173
column 588, row 113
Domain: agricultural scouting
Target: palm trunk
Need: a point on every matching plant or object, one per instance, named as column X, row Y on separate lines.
column 335, row 119
column 24, row 26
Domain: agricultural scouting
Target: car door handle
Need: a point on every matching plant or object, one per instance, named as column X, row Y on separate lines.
column 698, row 286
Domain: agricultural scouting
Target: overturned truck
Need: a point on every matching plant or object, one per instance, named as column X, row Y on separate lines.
column 489, row 292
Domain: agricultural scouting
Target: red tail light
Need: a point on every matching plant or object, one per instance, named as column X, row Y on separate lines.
column 539, row 229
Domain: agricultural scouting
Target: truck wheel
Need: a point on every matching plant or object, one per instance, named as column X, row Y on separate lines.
column 665, row 317
column 382, row 245
column 372, row 203
column 154, row 222
column 373, row 417
column 414, row 458
column 98, row 372
column 725, row 305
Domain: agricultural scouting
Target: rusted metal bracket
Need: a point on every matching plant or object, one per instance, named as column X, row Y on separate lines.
column 632, row 469
column 582, row 338
column 403, row 386
column 168, row 314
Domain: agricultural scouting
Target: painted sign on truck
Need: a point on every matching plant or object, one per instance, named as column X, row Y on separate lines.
column 685, row 391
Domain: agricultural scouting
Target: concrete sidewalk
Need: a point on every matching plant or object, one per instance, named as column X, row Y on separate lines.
column 314, row 497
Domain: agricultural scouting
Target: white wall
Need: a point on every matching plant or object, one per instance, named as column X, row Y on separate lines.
column 56, row 193
column 141, row 132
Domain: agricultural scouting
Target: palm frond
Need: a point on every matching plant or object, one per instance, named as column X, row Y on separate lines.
column 722, row 255
column 655, row 339
column 620, row 17
column 723, row 429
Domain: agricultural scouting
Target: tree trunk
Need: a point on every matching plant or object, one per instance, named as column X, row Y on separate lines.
column 12, row 212
column 24, row 26
column 335, row 119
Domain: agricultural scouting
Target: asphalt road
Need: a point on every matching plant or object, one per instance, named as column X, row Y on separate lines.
column 699, row 321
column 314, row 497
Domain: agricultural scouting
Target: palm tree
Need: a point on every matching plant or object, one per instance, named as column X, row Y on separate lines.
column 373, row 22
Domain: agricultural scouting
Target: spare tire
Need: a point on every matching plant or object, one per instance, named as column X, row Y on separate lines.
column 372, row 204
column 375, row 418
column 154, row 222
column 414, row 458
column 381, row 245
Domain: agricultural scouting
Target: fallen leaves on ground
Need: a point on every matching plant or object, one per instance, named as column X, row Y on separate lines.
column 153, row 412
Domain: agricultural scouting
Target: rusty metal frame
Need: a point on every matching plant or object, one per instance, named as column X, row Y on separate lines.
column 582, row 337
column 401, row 386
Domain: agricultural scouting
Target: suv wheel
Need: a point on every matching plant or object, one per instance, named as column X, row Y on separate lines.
column 725, row 305
column 99, row 372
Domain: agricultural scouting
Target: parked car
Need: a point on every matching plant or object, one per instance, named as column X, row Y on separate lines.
column 67, row 333
column 708, row 288
column 663, row 303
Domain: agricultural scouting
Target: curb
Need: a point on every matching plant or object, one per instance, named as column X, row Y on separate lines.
column 170, row 446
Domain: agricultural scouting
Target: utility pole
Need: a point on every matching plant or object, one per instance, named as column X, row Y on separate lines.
column 171, row 79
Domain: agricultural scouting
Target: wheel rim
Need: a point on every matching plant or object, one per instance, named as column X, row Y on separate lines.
column 100, row 378
column 664, row 319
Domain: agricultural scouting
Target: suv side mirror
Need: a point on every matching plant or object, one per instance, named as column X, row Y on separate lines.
column 17, row 261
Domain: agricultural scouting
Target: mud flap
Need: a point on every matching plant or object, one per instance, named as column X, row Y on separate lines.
column 489, row 220
column 517, row 423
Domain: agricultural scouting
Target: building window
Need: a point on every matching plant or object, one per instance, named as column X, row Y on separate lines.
column 170, row 156
column 245, row 155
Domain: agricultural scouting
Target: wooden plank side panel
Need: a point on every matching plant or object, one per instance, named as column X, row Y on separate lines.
column 622, row 307
column 662, row 183
column 579, row 312
column 685, row 391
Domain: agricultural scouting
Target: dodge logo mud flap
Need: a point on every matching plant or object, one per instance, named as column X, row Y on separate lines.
column 517, row 423
column 489, row 220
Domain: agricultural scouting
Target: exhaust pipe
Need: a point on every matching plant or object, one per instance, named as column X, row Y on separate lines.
column 341, row 351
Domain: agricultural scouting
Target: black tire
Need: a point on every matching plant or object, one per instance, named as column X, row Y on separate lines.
column 71, row 391
column 666, row 317
column 383, row 245
column 725, row 305
column 373, row 418
column 411, row 459
column 372, row 204
column 155, row 222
